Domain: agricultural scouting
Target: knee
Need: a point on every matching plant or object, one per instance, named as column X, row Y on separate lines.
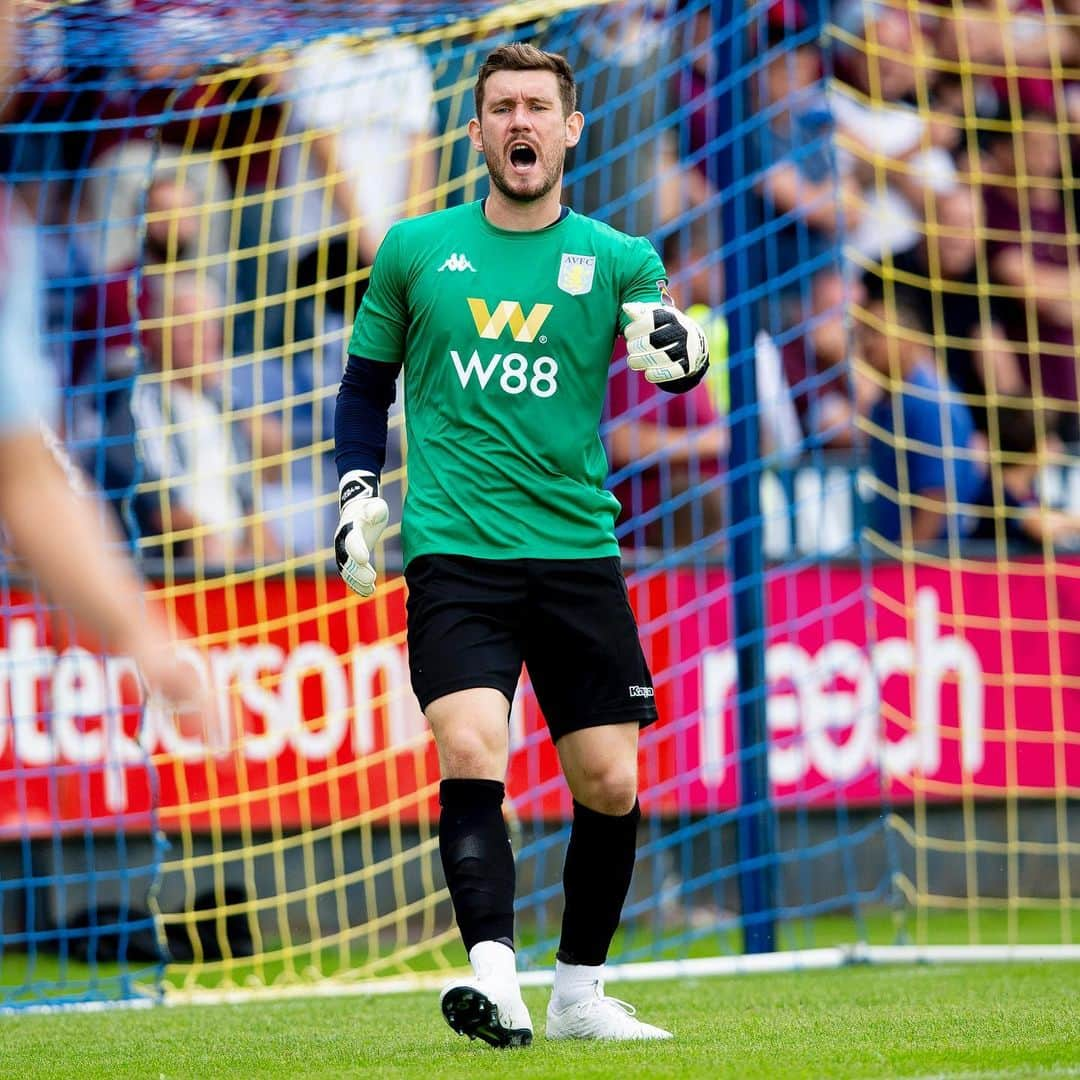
column 470, row 729
column 468, row 754
column 608, row 788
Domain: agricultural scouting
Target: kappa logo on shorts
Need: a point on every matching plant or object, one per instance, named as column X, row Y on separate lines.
column 457, row 262
column 641, row 691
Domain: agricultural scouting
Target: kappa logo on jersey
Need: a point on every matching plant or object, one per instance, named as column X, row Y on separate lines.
column 576, row 274
column 490, row 324
column 457, row 262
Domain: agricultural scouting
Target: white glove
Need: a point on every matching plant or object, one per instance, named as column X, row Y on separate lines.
column 663, row 342
column 363, row 517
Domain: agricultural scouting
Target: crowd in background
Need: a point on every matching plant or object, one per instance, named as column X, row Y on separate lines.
column 915, row 223
column 206, row 229
column 952, row 151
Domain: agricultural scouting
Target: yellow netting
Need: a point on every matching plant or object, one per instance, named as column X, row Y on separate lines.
column 959, row 123
column 934, row 684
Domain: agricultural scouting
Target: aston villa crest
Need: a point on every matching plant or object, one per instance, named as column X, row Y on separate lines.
column 576, row 273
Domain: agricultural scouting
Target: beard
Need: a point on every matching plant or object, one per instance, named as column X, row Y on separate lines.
column 502, row 176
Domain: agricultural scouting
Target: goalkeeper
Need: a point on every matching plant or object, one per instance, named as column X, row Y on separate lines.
column 503, row 314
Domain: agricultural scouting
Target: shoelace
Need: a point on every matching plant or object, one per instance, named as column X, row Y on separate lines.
column 600, row 999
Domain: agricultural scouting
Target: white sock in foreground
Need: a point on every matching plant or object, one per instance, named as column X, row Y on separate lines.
column 579, row 1008
column 488, row 1005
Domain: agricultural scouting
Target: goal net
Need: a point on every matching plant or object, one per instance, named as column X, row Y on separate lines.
column 860, row 623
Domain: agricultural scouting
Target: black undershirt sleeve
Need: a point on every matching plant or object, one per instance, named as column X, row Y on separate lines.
column 368, row 389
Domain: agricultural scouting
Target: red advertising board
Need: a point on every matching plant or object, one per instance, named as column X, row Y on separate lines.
column 882, row 682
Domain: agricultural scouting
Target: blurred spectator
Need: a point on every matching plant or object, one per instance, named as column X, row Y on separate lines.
column 105, row 354
column 1017, row 33
column 113, row 205
column 106, row 320
column 460, row 176
column 826, row 389
column 692, row 259
column 666, row 453
column 178, row 92
column 253, row 129
column 290, row 398
column 666, row 450
column 694, row 86
column 882, row 66
column 1031, row 253
column 801, row 186
column 1012, row 514
column 926, row 457
column 185, row 467
column 163, row 89
column 362, row 156
column 629, row 174
column 944, row 276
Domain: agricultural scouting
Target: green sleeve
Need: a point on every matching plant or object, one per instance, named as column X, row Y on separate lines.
column 383, row 319
column 645, row 277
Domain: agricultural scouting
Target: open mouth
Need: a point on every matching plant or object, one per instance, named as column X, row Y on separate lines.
column 522, row 157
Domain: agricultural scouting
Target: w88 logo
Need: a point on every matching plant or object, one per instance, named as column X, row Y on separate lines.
column 516, row 373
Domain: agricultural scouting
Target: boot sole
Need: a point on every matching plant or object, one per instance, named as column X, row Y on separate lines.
column 472, row 1013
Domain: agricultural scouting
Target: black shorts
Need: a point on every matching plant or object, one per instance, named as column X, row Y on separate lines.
column 472, row 622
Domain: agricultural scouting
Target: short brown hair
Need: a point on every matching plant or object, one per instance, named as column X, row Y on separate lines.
column 521, row 56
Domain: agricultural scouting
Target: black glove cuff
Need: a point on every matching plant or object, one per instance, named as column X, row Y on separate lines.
column 361, row 485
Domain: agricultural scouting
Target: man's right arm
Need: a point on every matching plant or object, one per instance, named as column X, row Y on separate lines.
column 367, row 391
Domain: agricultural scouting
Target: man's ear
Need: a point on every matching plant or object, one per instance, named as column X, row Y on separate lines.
column 575, row 122
column 475, row 135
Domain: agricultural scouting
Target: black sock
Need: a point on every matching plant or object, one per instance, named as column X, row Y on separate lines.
column 596, row 879
column 477, row 859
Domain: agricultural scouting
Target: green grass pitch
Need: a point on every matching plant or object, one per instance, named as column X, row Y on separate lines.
column 961, row 1020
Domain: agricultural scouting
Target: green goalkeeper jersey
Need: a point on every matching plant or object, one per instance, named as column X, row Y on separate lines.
column 506, row 339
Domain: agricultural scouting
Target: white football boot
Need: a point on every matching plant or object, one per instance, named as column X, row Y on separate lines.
column 488, row 1006
column 598, row 1017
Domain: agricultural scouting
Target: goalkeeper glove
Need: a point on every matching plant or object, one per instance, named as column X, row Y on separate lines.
column 363, row 517
column 664, row 343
